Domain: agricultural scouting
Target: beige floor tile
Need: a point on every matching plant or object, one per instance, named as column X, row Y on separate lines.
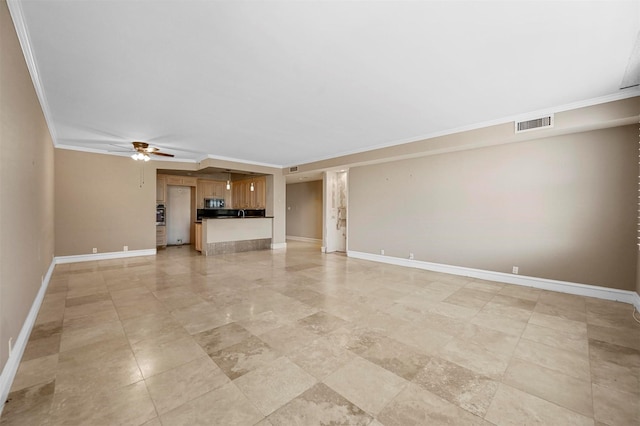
column 323, row 313
column 415, row 406
column 179, row 385
column 521, row 292
column 28, row 406
column 275, row 384
column 243, row 357
column 511, row 406
column 367, row 385
column 561, row 312
column 89, row 309
column 614, row 376
column 617, row 336
column 562, row 361
column 178, row 297
column 78, row 337
column 615, row 407
column 454, row 311
column 321, row 323
column 621, row 355
column 44, row 346
column 35, row 371
column 160, row 354
column 320, row 405
column 489, row 339
column 402, row 360
column 201, row 317
column 221, row 337
column 263, row 322
column 152, row 325
column 99, row 366
column 321, row 357
column 475, row 357
column 561, row 389
column 469, row 298
column 288, row 338
column 458, row 385
column 558, row 323
column 572, row 341
column 127, row 405
column 499, row 323
column 425, row 340
column 513, row 301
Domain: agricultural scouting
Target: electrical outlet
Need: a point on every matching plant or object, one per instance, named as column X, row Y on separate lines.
column 382, row 252
column 125, row 248
column 515, row 269
column 95, row 250
column 410, row 256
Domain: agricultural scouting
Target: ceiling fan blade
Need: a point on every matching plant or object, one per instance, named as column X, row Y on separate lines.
column 162, row 154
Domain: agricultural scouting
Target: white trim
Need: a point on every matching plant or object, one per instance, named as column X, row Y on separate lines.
column 17, row 15
column 304, row 239
column 636, row 301
column 625, row 296
column 237, row 160
column 11, row 367
column 277, row 246
column 104, row 256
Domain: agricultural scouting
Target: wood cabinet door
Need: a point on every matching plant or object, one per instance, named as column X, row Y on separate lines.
column 161, row 189
column 260, row 191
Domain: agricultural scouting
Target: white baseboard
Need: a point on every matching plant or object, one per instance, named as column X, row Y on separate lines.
column 636, row 302
column 625, row 296
column 304, row 239
column 11, row 367
column 104, row 256
column 276, row 246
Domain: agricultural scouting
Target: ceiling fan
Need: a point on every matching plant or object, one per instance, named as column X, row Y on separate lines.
column 143, row 150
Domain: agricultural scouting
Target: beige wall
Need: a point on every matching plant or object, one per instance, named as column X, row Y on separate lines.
column 304, row 209
column 26, row 189
column 101, row 202
column 561, row 208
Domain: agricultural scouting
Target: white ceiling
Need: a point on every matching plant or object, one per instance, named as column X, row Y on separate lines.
column 289, row 82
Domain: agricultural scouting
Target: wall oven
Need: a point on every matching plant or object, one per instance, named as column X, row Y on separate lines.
column 160, row 215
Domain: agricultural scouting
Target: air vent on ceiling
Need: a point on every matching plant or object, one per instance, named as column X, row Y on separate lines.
column 535, row 124
column 293, row 169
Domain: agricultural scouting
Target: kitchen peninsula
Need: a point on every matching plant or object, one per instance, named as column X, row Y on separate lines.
column 236, row 231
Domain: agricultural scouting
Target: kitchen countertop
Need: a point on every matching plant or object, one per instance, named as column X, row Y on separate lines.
column 232, row 217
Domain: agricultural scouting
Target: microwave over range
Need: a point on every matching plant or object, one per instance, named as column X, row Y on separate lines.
column 214, row 203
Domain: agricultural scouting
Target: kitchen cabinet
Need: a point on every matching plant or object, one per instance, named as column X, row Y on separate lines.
column 161, row 236
column 212, row 189
column 181, row 180
column 198, row 236
column 161, row 189
column 245, row 198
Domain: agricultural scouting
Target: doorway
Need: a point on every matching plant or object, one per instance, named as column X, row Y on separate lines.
column 335, row 211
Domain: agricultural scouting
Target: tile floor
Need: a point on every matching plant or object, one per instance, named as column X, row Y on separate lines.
column 297, row 337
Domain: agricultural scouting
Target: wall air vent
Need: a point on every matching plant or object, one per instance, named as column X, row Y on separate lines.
column 535, row 124
column 293, row 169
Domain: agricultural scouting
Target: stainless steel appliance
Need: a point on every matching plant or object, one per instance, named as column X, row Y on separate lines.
column 214, row 203
column 160, row 215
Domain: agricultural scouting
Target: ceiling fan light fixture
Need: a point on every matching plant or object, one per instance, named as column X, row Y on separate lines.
column 139, row 156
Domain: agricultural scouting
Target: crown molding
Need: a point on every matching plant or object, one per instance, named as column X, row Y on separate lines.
column 617, row 96
column 237, row 160
column 17, row 15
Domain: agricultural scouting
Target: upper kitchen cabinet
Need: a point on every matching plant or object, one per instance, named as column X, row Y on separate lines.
column 181, row 180
column 161, row 188
column 212, row 189
column 245, row 198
